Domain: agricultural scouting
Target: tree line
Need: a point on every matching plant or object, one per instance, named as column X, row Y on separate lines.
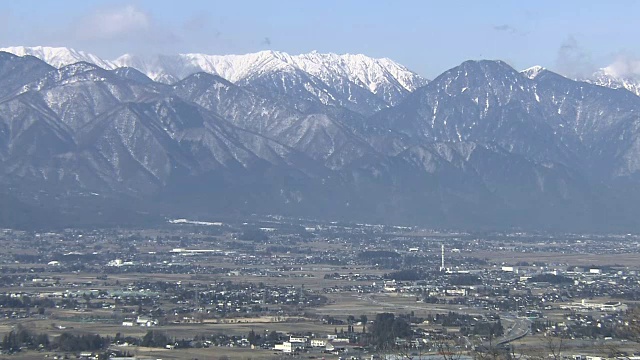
column 22, row 338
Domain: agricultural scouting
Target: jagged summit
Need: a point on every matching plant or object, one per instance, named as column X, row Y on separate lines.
column 354, row 81
column 382, row 77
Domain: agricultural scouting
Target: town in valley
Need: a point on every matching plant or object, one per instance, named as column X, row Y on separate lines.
column 274, row 287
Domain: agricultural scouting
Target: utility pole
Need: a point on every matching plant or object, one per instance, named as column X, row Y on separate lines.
column 442, row 257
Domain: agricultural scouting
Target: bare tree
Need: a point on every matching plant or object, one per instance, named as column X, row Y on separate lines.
column 448, row 350
column 632, row 324
column 489, row 350
column 555, row 345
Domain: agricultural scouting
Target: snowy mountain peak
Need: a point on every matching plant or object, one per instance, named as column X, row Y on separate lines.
column 363, row 70
column 533, row 71
column 59, row 56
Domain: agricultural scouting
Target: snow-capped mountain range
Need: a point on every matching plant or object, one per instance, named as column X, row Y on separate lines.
column 340, row 80
column 383, row 77
column 606, row 77
column 322, row 135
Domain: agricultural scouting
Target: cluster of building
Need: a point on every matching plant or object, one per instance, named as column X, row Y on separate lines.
column 332, row 344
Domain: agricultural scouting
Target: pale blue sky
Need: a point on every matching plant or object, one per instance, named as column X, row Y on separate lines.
column 571, row 37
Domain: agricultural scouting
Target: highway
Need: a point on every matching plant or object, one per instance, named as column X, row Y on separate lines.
column 515, row 327
column 518, row 328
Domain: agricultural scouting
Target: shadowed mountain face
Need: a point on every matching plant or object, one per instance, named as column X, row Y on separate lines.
column 480, row 146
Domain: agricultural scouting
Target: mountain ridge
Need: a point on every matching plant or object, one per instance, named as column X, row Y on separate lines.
column 481, row 146
column 345, row 79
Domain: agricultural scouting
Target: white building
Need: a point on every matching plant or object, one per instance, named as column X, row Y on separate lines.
column 298, row 340
column 340, row 340
column 286, row 347
column 612, row 306
column 146, row 321
column 318, row 342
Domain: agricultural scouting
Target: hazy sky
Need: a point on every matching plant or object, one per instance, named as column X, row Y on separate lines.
column 571, row 37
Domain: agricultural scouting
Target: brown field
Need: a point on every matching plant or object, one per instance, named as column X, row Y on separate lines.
column 631, row 260
column 154, row 354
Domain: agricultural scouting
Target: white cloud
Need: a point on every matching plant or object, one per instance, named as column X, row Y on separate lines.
column 112, row 29
column 624, row 65
column 115, row 23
